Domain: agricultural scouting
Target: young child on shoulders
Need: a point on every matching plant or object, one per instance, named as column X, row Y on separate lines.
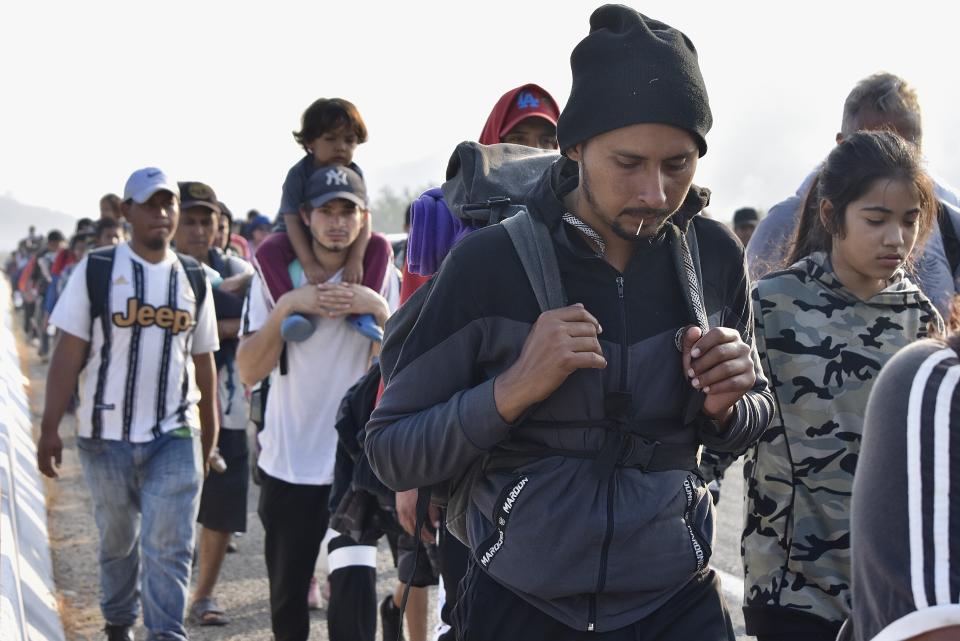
column 331, row 129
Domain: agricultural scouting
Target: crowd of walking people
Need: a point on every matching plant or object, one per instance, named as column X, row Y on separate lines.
column 535, row 397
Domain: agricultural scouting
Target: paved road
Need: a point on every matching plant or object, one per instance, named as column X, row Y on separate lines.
column 726, row 549
column 242, row 591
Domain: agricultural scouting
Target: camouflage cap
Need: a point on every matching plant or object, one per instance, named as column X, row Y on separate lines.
column 198, row 194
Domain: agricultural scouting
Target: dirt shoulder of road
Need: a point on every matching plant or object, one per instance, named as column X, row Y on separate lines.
column 70, row 524
column 242, row 590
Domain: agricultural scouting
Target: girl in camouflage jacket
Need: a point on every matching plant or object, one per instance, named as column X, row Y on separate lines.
column 824, row 328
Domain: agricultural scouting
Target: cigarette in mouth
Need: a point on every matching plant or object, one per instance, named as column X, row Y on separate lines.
column 639, row 228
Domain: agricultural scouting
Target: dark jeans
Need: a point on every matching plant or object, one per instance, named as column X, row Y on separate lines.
column 294, row 521
column 487, row 611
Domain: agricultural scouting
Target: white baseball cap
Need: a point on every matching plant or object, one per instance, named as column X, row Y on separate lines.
column 144, row 183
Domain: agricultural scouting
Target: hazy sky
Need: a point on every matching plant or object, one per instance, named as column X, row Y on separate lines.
column 211, row 90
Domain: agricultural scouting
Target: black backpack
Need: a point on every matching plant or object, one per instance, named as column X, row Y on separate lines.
column 100, row 272
column 486, row 185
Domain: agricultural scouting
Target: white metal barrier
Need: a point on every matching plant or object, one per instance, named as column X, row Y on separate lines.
column 28, row 608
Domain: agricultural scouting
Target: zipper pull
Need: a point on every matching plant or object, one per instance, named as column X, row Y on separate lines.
column 592, row 618
column 620, row 286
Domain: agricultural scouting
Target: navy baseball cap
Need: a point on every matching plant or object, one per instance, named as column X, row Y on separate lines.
column 336, row 181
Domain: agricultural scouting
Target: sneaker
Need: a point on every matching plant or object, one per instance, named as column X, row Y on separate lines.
column 313, row 594
column 296, row 328
column 118, row 632
column 390, row 619
column 366, row 325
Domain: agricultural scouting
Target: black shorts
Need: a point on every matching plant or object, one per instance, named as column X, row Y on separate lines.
column 420, row 572
column 223, row 501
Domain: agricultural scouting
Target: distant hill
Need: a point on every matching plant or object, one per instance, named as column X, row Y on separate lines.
column 16, row 218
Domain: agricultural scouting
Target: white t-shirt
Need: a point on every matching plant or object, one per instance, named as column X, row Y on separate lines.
column 298, row 443
column 145, row 374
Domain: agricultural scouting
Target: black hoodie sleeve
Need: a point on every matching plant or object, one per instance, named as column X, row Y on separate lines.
column 437, row 413
column 752, row 413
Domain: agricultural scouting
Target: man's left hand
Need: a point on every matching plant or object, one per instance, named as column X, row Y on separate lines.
column 719, row 364
column 406, row 503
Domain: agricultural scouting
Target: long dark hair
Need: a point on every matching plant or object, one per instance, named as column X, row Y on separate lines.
column 849, row 172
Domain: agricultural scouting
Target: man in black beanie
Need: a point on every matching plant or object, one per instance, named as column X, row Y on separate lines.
column 583, row 425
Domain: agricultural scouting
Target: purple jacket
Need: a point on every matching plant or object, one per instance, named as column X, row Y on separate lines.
column 434, row 230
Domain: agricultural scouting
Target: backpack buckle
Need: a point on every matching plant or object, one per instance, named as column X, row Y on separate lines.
column 496, row 206
column 487, row 212
column 637, row 451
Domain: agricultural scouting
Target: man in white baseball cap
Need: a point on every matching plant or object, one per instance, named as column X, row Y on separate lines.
column 144, row 183
column 144, row 316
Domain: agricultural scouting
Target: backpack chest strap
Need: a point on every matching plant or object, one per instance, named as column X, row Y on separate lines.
column 620, row 450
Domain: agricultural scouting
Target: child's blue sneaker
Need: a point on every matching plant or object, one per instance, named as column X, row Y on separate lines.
column 366, row 325
column 296, row 328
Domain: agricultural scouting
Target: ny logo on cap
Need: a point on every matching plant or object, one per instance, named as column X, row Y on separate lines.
column 336, row 177
column 527, row 100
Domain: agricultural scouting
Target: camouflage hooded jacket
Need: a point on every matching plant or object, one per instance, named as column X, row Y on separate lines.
column 821, row 349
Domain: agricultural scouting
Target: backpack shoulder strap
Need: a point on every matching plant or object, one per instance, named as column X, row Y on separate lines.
column 198, row 280
column 533, row 244
column 99, row 273
column 694, row 251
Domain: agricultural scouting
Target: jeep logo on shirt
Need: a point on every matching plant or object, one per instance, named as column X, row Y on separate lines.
column 176, row 320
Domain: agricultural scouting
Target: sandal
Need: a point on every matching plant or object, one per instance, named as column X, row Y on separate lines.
column 206, row 612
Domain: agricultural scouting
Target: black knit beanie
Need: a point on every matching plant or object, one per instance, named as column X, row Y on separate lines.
column 632, row 69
